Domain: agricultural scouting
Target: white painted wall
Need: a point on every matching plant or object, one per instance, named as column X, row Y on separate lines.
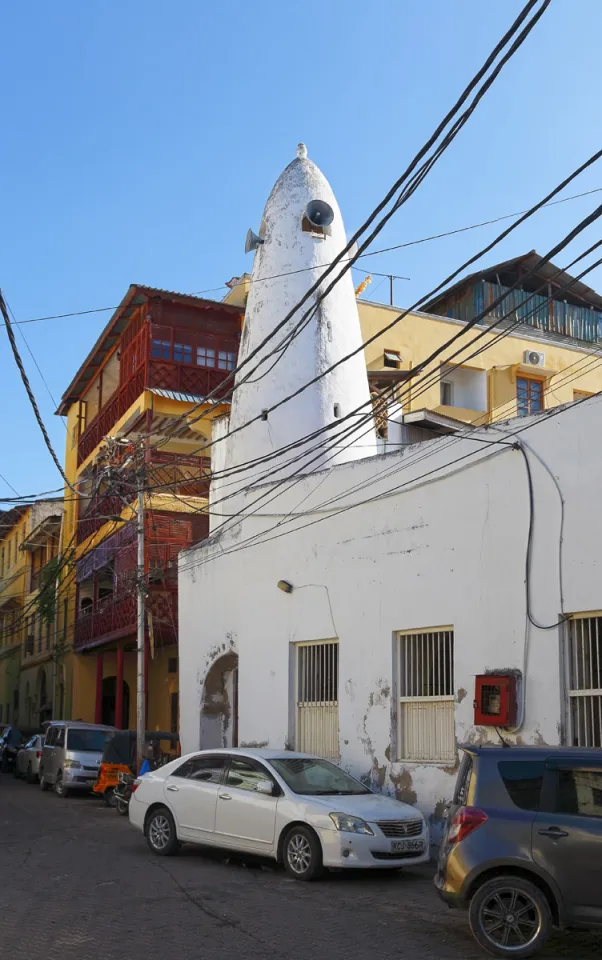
column 469, row 387
column 285, row 267
column 447, row 546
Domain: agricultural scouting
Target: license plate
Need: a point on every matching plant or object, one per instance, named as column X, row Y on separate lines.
column 407, row 846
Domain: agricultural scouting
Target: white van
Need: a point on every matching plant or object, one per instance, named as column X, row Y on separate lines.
column 71, row 755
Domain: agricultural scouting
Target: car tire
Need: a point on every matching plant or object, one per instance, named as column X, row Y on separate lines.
column 525, row 918
column 302, row 854
column 29, row 774
column 44, row 786
column 59, row 787
column 16, row 773
column 161, row 833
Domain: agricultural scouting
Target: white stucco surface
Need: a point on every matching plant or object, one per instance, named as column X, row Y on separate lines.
column 285, row 266
column 440, row 541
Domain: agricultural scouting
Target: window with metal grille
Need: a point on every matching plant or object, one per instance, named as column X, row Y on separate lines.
column 426, row 695
column 585, row 681
column 529, row 396
column 317, row 698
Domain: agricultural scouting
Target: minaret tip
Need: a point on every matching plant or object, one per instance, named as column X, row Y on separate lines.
column 301, row 151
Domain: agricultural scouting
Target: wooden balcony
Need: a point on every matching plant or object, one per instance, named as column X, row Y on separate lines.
column 116, row 617
column 166, row 473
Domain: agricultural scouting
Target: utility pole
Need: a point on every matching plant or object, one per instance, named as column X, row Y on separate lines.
column 391, row 279
column 140, row 646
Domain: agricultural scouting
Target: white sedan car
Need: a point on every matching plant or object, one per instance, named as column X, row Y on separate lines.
column 295, row 808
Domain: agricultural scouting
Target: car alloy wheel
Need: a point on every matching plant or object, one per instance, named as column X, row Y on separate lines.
column 59, row 787
column 302, row 854
column 161, row 833
column 510, row 917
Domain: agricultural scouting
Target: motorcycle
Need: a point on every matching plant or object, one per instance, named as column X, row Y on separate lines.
column 122, row 793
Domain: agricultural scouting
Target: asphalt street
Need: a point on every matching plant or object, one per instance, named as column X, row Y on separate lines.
column 78, row 883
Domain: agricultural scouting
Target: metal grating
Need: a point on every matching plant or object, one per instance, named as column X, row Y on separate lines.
column 426, row 696
column 317, row 698
column 400, row 828
column 585, row 681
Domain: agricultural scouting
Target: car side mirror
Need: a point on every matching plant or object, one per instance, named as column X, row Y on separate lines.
column 266, row 787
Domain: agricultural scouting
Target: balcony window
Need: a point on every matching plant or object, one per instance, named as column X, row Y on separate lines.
column 529, row 395
column 205, row 356
column 161, row 350
column 226, row 360
column 182, row 353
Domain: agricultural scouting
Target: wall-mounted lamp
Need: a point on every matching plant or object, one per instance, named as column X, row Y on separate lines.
column 285, row 586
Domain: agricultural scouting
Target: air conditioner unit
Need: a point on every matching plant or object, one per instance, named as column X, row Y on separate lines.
column 534, row 359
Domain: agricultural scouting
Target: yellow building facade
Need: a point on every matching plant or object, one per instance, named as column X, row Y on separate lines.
column 539, row 348
column 144, row 386
column 29, row 547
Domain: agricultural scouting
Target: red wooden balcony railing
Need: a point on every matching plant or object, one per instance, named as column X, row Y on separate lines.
column 116, row 618
column 190, row 361
column 167, row 473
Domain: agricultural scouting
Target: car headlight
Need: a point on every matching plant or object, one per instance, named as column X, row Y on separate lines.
column 348, row 824
column 71, row 763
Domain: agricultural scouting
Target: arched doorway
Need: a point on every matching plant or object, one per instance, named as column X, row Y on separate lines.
column 219, row 709
column 109, row 702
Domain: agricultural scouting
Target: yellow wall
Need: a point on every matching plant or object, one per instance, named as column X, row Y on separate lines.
column 14, row 576
column 418, row 335
column 160, row 685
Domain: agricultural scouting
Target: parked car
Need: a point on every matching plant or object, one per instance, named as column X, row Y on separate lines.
column 71, row 755
column 10, row 742
column 295, row 808
column 27, row 763
column 523, row 846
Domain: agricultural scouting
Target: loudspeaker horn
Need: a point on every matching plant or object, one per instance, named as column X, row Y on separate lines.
column 252, row 241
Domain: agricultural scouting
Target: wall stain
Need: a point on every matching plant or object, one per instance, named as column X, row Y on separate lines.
column 404, row 790
column 254, row 744
column 461, row 695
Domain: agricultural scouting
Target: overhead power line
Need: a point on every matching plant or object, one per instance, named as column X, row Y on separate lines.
column 30, row 393
column 415, row 178
column 369, row 253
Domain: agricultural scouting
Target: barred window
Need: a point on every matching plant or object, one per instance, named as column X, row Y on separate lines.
column 426, row 695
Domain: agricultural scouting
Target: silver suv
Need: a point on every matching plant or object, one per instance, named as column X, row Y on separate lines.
column 523, row 847
column 71, row 755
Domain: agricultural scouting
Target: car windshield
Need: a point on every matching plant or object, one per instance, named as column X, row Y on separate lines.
column 312, row 777
column 87, row 741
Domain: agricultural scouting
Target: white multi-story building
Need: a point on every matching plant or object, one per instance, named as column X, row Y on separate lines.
column 374, row 609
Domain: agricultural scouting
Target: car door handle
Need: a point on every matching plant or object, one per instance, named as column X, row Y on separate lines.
column 173, row 788
column 225, row 796
column 554, row 832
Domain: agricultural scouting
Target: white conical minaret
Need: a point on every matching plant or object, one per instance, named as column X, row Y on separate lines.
column 287, row 263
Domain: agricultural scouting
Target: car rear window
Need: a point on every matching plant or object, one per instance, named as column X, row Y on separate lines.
column 464, row 780
column 523, row 779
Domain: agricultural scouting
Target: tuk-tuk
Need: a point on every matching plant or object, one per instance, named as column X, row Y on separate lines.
column 119, row 756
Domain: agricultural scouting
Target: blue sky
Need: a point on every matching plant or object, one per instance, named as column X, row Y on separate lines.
column 140, row 141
